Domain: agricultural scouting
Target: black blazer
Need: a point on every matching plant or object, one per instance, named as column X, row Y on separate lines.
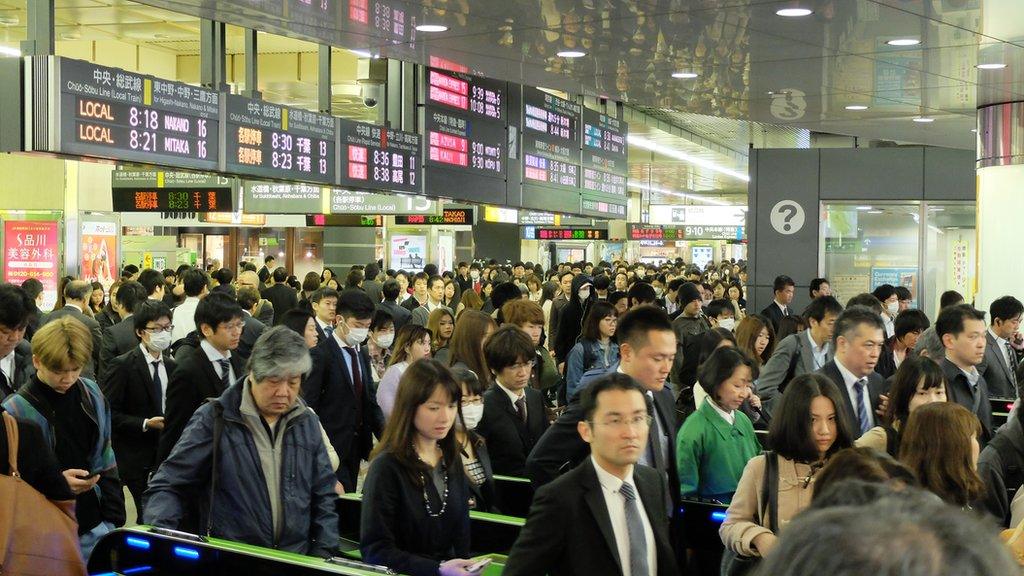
column 89, row 371
column 876, row 387
column 395, row 530
column 283, row 297
column 509, row 440
column 129, row 387
column 485, row 494
column 252, row 330
column 561, row 448
column 329, row 391
column 193, row 381
column 398, row 313
column 570, row 532
column 774, row 314
column 117, row 340
column 23, row 370
column 993, row 368
column 958, row 389
column 886, row 366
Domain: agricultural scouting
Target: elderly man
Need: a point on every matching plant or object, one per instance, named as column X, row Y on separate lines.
column 256, row 459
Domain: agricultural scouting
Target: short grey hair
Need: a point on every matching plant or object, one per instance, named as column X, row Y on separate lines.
column 278, row 352
column 930, row 342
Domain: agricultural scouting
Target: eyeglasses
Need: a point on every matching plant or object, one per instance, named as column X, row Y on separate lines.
column 619, row 424
column 234, row 326
column 522, row 366
column 476, row 402
column 160, row 329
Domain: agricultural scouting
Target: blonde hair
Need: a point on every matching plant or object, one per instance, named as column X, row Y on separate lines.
column 62, row 341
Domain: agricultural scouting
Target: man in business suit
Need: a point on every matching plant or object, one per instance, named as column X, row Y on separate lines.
column 76, row 298
column 857, row 340
column 205, row 370
column 248, row 298
column 962, row 331
column 435, row 292
column 153, row 283
column 514, row 415
column 120, row 338
column 34, row 288
column 607, row 515
column 800, row 353
column 15, row 352
column 325, row 311
column 281, row 295
column 135, row 383
column 340, row 387
column 559, row 303
column 999, row 368
column 371, row 285
column 420, row 282
column 784, row 289
column 264, row 309
column 647, row 349
column 391, row 291
column 267, row 271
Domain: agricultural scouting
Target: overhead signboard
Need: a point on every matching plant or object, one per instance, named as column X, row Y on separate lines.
column 698, row 215
column 113, row 113
column 355, row 202
column 449, row 216
column 476, row 96
column 281, row 198
column 528, row 218
column 693, row 232
column 169, row 191
column 281, row 142
column 501, row 215
column 344, row 220
column 604, row 165
column 541, row 233
column 378, row 157
column 551, row 140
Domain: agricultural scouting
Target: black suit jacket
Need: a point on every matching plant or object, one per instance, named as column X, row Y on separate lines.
column 134, row 397
column 283, row 297
column 570, row 532
column 958, row 389
column 252, row 330
column 509, row 439
column 774, row 314
column 117, row 340
column 398, row 313
column 329, row 391
column 23, row 369
column 89, row 371
column 194, row 380
column 876, row 387
column 374, row 290
column 886, row 366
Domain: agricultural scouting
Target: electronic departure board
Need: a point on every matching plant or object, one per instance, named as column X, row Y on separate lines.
column 551, row 140
column 113, row 113
column 694, row 232
column 160, row 191
column 474, row 95
column 535, row 233
column 391, row 20
column 448, row 216
column 275, row 141
column 378, row 157
column 605, row 165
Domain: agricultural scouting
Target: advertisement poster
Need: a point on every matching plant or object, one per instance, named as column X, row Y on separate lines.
column 408, row 253
column 612, row 251
column 99, row 252
column 31, row 250
column 895, row 276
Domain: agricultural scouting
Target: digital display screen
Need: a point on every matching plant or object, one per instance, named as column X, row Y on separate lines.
column 113, row 113
column 378, row 157
column 605, row 165
column 172, row 200
column 695, row 232
column 476, row 96
column 597, row 206
column 454, row 141
column 449, row 216
column 535, row 233
column 645, row 232
column 274, row 141
column 551, row 140
column 343, row 220
column 389, row 20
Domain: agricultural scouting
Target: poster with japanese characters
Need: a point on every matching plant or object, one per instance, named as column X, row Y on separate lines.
column 32, row 250
column 99, row 252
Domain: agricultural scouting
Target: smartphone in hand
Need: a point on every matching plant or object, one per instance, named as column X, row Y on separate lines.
column 479, row 566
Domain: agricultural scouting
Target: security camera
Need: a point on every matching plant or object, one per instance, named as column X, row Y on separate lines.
column 371, row 93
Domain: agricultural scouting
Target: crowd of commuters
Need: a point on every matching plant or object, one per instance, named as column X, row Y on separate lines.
column 241, row 403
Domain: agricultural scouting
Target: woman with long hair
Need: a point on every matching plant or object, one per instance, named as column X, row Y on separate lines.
column 466, row 348
column 415, row 514
column 441, row 324
column 940, row 444
column 595, row 348
column 450, row 297
column 96, row 300
column 918, row 381
column 469, row 300
column 756, row 337
column 412, row 343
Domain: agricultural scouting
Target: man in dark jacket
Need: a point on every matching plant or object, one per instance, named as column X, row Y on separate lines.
column 15, row 352
column 962, row 331
column 281, row 295
column 76, row 296
column 391, row 291
column 371, row 285
column 258, row 449
column 570, row 321
column 120, row 338
column 1001, row 466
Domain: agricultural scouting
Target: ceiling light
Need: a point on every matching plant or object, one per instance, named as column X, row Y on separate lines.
column 432, row 28
column 903, row 42
column 571, row 54
column 975, row 130
column 856, row 107
column 862, row 208
column 924, row 119
column 684, row 75
column 874, row 212
column 363, row 53
column 680, row 155
column 6, row 51
column 794, row 12
column 683, row 195
column 991, row 66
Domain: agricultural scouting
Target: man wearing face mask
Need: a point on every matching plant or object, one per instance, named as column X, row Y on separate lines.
column 721, row 314
column 570, row 321
column 340, row 388
column 135, row 384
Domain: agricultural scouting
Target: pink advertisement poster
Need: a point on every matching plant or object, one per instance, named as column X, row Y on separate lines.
column 31, row 250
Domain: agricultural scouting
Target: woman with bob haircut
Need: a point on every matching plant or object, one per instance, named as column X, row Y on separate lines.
column 917, row 382
column 808, row 427
column 596, row 347
column 415, row 514
column 940, row 444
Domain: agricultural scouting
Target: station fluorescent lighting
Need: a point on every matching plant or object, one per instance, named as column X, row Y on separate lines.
column 903, row 42
column 646, row 144
column 684, row 75
column 7, row 51
column 571, row 54
column 432, row 28
column 794, row 12
column 924, row 119
column 991, row 66
column 856, row 107
column 363, row 53
column 683, row 195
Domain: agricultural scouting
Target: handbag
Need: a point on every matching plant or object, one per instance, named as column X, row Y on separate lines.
column 734, row 564
column 38, row 536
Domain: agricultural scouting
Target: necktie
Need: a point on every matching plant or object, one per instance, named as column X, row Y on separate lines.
column 329, row 331
column 157, row 384
column 357, row 380
column 225, row 373
column 1009, row 359
column 635, row 529
column 655, row 457
column 862, row 409
column 521, row 408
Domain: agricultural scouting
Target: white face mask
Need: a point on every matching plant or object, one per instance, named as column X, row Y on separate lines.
column 727, row 323
column 471, row 415
column 356, row 336
column 160, row 341
column 385, row 340
column 584, row 293
column 893, row 308
column 474, row 274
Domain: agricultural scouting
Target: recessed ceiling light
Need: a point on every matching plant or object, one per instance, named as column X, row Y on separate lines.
column 975, row 130
column 874, row 212
column 862, row 208
column 992, row 66
column 924, row 119
column 5, row 51
column 432, row 28
column 794, row 12
column 684, row 75
column 571, row 54
column 856, row 107
column 362, row 53
column 903, row 42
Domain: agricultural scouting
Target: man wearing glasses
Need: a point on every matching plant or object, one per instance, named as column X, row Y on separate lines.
column 203, row 371
column 607, row 515
column 135, row 384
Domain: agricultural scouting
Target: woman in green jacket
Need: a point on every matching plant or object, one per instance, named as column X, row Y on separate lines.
column 717, row 440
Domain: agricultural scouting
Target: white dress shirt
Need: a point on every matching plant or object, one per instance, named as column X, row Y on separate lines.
column 215, row 356
column 7, row 367
column 512, row 395
column 348, row 358
column 616, row 503
column 729, row 416
column 184, row 318
column 162, row 372
column 820, row 352
column 849, row 379
column 1001, row 344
